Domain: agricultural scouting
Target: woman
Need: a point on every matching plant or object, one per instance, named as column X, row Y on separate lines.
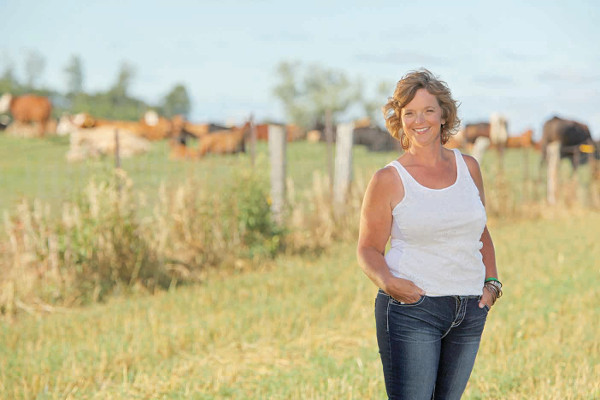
column 438, row 280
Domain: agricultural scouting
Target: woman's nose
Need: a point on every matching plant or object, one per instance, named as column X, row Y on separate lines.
column 420, row 117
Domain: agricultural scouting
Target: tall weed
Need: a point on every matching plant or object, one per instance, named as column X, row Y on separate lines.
column 95, row 247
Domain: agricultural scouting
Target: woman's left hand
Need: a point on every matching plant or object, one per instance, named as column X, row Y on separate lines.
column 487, row 298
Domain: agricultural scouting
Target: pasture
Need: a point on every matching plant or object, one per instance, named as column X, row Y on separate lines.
column 300, row 326
column 37, row 168
column 303, row 329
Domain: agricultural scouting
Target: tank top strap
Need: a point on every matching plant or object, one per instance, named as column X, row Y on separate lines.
column 461, row 165
column 404, row 176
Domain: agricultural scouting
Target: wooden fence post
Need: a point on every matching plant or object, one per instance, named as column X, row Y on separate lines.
column 252, row 141
column 277, row 145
column 118, row 161
column 526, row 176
column 329, row 138
column 343, row 162
column 479, row 148
column 117, row 150
column 594, row 180
column 553, row 158
column 499, row 137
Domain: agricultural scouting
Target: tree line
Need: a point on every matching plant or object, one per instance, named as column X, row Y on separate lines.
column 310, row 92
column 307, row 92
column 116, row 102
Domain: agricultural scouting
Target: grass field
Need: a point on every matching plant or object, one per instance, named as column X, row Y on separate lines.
column 37, row 168
column 301, row 327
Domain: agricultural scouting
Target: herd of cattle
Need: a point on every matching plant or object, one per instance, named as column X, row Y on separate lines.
column 92, row 137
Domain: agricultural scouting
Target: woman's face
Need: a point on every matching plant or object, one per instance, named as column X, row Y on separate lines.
column 422, row 119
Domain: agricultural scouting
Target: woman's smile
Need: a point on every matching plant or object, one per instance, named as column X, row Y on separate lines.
column 420, row 130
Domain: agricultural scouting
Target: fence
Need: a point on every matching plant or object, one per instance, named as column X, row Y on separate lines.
column 35, row 168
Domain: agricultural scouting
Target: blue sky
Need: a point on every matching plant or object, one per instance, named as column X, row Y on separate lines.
column 526, row 59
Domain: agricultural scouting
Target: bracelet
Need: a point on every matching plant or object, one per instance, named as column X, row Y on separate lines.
column 495, row 288
column 492, row 279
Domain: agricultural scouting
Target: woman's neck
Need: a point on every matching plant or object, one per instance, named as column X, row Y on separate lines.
column 427, row 156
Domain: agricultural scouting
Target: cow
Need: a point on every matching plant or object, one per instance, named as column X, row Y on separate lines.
column 151, row 126
column 184, row 130
column 570, row 135
column 4, row 121
column 101, row 141
column 224, row 142
column 28, row 108
column 525, row 139
column 292, row 132
column 495, row 130
column 473, row 131
column 197, row 131
column 479, row 136
column 375, row 138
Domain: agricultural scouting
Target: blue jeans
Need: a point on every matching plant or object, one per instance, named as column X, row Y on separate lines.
column 428, row 348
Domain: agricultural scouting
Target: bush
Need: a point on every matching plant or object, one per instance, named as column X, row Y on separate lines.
column 100, row 245
column 97, row 246
column 103, row 243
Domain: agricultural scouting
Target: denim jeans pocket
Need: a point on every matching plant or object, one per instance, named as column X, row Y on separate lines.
column 402, row 304
column 485, row 306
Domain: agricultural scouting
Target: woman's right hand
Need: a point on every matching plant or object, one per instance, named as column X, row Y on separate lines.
column 403, row 290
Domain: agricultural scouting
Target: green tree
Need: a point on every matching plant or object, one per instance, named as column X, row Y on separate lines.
column 329, row 89
column 34, row 67
column 74, row 73
column 307, row 92
column 116, row 102
column 120, row 88
column 372, row 107
column 177, row 101
column 288, row 90
column 8, row 82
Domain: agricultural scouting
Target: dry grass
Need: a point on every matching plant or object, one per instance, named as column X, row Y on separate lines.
column 303, row 328
column 101, row 245
column 297, row 323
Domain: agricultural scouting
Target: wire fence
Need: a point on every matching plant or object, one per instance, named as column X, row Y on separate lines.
column 37, row 169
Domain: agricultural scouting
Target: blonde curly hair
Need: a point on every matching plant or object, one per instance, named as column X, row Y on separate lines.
column 405, row 91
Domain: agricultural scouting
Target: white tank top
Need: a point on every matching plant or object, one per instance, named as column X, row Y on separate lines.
column 436, row 235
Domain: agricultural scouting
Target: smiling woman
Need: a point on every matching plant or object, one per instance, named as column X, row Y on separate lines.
column 438, row 280
column 422, row 119
column 436, row 97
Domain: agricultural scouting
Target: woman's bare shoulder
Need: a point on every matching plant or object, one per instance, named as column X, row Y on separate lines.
column 385, row 177
column 387, row 185
column 472, row 164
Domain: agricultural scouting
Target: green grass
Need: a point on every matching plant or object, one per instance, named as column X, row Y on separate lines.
column 37, row 168
column 300, row 328
column 304, row 329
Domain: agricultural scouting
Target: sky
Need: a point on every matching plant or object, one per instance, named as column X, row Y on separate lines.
column 529, row 60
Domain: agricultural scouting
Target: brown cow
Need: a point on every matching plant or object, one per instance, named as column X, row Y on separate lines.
column 184, row 130
column 28, row 108
column 525, row 139
column 292, row 132
column 473, row 131
column 224, row 142
column 151, row 126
